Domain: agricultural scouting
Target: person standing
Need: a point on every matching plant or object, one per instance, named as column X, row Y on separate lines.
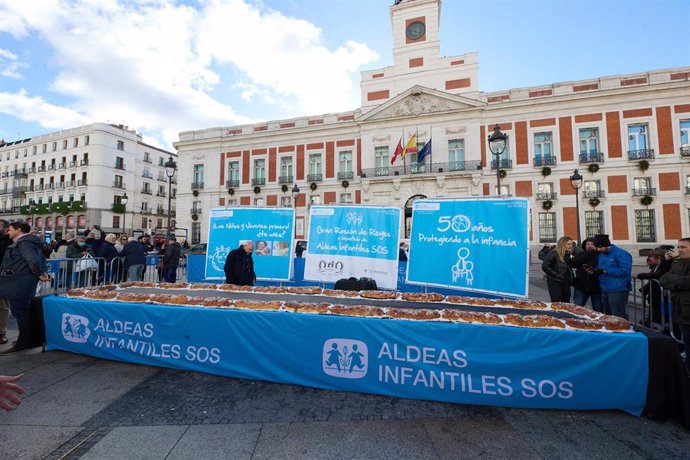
column 135, row 260
column 586, row 282
column 651, row 290
column 559, row 276
column 109, row 260
column 76, row 250
column 239, row 266
column 171, row 260
column 614, row 267
column 23, row 266
column 5, row 241
column 677, row 280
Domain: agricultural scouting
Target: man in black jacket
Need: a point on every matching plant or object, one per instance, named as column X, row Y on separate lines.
column 171, row 260
column 22, row 267
column 586, row 281
column 239, row 266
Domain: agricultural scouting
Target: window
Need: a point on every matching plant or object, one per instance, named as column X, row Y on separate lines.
column 54, row 146
column 119, row 163
column 637, row 138
column 642, row 186
column 505, row 190
column 545, row 191
column 118, row 182
column 234, row 173
column 285, row 201
column 161, row 190
column 456, row 154
column 594, row 223
column 120, row 145
column 346, row 198
column 345, row 164
column 589, row 144
column 645, row 225
column 547, row 227
column 87, row 139
column 314, row 173
column 33, row 150
column 685, row 137
column 198, row 174
column 259, row 172
column 64, row 144
column 144, row 206
column 258, row 201
column 381, row 161
column 591, row 189
column 45, row 148
column 232, row 202
column 315, row 199
column 504, row 157
column 75, row 142
column 147, row 187
column 116, row 221
column 147, row 157
column 196, row 232
column 286, row 169
column 542, row 146
column 415, row 165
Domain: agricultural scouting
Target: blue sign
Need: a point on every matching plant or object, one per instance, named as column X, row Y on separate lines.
column 270, row 229
column 353, row 241
column 459, row 363
column 474, row 244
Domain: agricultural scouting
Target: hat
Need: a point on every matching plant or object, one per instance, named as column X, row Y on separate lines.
column 172, row 237
column 602, row 241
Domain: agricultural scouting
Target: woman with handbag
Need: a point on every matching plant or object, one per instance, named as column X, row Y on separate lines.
column 559, row 276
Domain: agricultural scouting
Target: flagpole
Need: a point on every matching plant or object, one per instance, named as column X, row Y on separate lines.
column 431, row 152
column 404, row 153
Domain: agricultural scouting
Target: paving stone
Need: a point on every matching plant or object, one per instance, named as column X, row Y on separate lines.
column 134, row 443
column 217, row 442
column 478, row 437
column 399, row 439
column 28, row 442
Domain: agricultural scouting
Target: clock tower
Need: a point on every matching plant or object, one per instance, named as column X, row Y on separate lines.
column 417, row 58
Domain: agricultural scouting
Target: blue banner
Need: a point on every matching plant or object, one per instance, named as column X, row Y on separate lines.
column 271, row 231
column 474, row 244
column 460, row 363
column 353, row 241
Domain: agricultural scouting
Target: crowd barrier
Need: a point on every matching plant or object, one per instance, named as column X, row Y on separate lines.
column 649, row 305
column 68, row 273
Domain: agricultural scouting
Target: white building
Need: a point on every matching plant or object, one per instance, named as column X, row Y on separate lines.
column 627, row 135
column 70, row 179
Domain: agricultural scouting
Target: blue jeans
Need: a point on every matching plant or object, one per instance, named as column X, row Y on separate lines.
column 170, row 275
column 615, row 303
column 135, row 272
column 580, row 298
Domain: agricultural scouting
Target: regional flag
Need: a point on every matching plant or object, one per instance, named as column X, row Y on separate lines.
column 426, row 150
column 411, row 146
column 398, row 151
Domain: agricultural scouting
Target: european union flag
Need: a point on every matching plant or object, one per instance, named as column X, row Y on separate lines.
column 426, row 150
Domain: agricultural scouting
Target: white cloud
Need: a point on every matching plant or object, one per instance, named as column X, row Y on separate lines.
column 167, row 67
column 35, row 108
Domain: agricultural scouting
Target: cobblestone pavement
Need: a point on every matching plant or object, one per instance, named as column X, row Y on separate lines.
column 82, row 407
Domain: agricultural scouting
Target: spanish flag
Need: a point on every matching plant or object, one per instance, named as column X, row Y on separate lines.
column 411, row 146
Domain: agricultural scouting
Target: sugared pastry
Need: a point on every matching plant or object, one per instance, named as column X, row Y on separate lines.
column 233, row 287
column 100, row 295
column 467, row 300
column 357, row 310
column 305, row 290
column 422, row 297
column 217, row 302
column 206, row 286
column 170, row 299
column 340, row 293
column 380, row 295
column 172, row 285
column 452, row 314
column 307, row 307
column 251, row 304
column 584, row 324
column 615, row 323
column 522, row 303
column 135, row 297
column 421, row 314
column 270, row 289
column 76, row 292
column 534, row 321
column 575, row 310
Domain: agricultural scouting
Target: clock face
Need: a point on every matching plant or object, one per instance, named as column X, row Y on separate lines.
column 415, row 30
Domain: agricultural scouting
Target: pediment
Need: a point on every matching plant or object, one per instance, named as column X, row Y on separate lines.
column 419, row 100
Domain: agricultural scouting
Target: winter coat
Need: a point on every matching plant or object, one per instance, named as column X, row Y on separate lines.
column 584, row 281
column 677, row 280
column 556, row 270
column 134, row 254
column 239, row 268
column 171, row 257
column 21, row 266
column 616, row 266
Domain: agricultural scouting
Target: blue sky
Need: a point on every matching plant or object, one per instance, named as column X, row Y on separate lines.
column 165, row 66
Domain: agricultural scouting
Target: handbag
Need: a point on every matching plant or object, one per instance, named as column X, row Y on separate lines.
column 86, row 263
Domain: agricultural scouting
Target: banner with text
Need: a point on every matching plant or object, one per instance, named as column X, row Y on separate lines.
column 270, row 229
column 459, row 363
column 473, row 244
column 353, row 241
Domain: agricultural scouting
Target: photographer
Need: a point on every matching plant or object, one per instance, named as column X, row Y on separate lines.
column 586, row 280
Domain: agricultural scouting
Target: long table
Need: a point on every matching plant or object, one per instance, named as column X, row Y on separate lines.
column 451, row 362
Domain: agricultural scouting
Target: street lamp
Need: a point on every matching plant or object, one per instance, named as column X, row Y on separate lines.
column 497, row 145
column 32, row 207
column 576, row 184
column 295, row 194
column 170, row 168
column 123, row 200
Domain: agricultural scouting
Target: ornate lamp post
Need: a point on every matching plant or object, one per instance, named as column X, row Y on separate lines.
column 123, row 200
column 170, row 168
column 295, row 194
column 497, row 145
column 576, row 184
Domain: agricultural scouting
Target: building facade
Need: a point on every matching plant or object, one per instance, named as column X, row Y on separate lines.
column 626, row 135
column 66, row 180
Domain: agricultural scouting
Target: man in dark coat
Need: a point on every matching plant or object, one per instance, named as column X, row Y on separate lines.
column 135, row 260
column 677, row 280
column 239, row 266
column 651, row 290
column 22, row 267
column 5, row 241
column 171, row 260
column 586, row 280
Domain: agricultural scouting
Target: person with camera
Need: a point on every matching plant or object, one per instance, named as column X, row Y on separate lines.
column 677, row 280
column 586, row 283
column 614, row 268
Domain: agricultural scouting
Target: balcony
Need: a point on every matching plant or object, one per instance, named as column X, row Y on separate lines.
column 160, row 212
column 61, row 207
column 50, row 186
column 147, row 175
column 60, row 185
column 20, row 173
column 70, row 184
column 597, row 157
column 259, row 181
column 161, row 194
column 346, row 175
column 644, row 191
column 84, row 163
column 233, row 183
column 685, row 151
column 118, row 208
column 146, row 212
column 146, row 191
column 38, row 188
column 62, row 165
column 41, row 169
column 644, row 154
column 593, row 194
column 72, row 164
column 197, row 185
column 51, row 167
column 162, row 178
column 147, row 160
column 285, row 180
column 544, row 161
column 504, row 164
column 546, row 196
column 314, row 177
column 82, row 183
column 77, row 206
column 196, row 210
column 454, row 166
column 120, row 166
